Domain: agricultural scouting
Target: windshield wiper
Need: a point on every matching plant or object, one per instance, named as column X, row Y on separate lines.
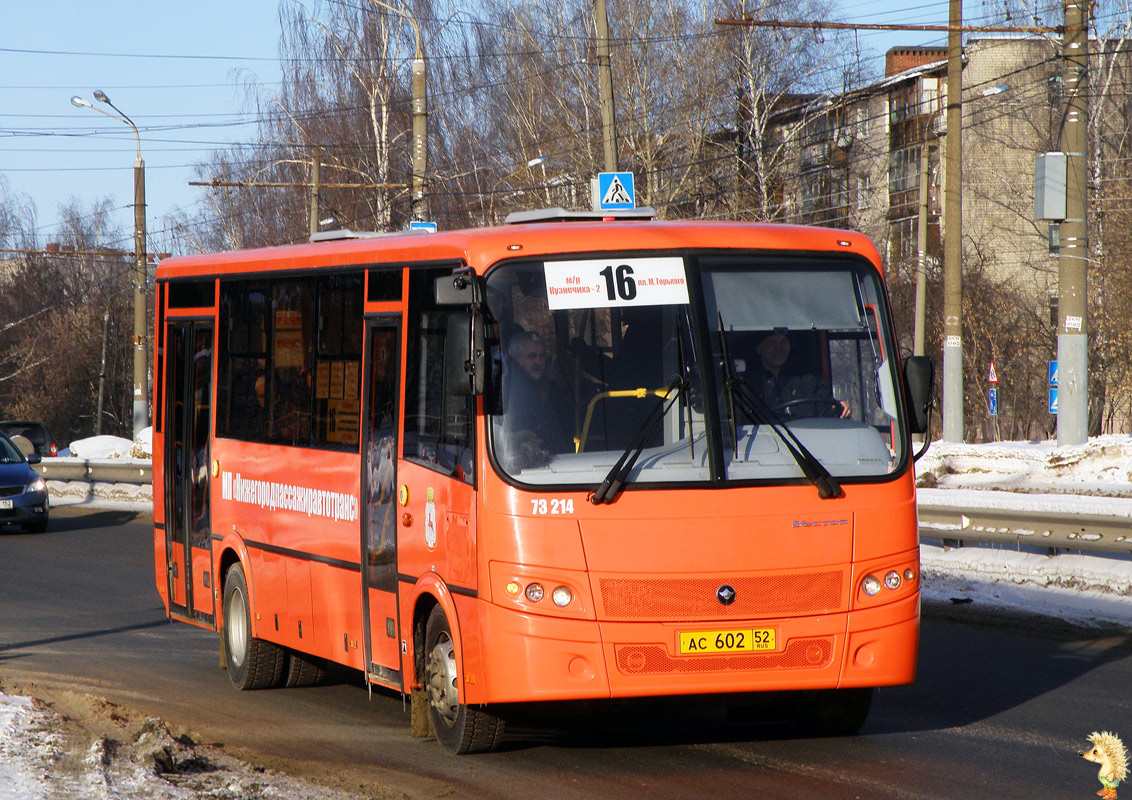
column 739, row 394
column 615, row 480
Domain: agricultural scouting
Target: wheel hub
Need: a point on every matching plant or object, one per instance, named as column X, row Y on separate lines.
column 236, row 624
column 443, row 692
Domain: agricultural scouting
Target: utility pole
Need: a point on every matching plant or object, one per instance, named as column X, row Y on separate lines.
column 419, row 203
column 316, row 164
column 922, row 252
column 953, row 234
column 141, row 370
column 1072, row 335
column 101, row 375
column 605, row 85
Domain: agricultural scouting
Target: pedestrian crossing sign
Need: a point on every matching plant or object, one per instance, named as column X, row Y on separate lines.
column 615, row 191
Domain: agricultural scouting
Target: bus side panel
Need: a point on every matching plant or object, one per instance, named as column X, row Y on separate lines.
column 297, row 510
column 337, row 617
column 202, row 581
column 436, row 533
column 267, row 585
column 160, row 559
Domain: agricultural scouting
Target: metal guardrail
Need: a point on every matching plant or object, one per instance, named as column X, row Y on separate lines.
column 1063, row 531
column 104, row 470
column 1106, row 533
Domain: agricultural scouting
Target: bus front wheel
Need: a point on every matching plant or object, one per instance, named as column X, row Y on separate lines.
column 458, row 727
column 252, row 663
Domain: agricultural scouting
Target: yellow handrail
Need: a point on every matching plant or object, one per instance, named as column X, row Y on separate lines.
column 640, row 393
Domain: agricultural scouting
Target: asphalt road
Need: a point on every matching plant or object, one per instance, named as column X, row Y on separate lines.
column 1000, row 708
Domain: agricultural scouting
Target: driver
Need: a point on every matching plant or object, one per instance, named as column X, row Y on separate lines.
column 779, row 386
column 536, row 419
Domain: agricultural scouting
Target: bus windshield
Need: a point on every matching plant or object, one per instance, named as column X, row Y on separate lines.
column 705, row 368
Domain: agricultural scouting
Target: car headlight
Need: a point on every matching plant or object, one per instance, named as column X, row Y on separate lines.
column 38, row 485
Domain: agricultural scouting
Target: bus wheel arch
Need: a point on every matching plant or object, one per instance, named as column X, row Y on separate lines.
column 252, row 663
column 458, row 727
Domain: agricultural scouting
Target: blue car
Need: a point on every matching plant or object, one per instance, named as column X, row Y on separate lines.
column 23, row 493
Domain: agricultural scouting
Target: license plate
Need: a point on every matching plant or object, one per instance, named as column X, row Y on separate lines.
column 731, row 641
column 4, row 504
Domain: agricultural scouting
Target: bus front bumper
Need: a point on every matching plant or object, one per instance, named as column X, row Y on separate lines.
column 535, row 658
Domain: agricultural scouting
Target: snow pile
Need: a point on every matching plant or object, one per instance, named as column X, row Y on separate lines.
column 144, row 760
column 28, row 749
column 1103, row 466
column 1086, row 590
column 114, row 446
column 1094, row 478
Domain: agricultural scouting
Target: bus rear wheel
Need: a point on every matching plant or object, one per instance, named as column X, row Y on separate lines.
column 458, row 727
column 252, row 663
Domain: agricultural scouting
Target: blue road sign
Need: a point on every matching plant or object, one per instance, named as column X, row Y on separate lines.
column 1053, row 399
column 428, row 227
column 615, row 191
column 993, row 401
column 1053, row 374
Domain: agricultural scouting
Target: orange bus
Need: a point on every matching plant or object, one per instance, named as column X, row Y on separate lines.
column 555, row 460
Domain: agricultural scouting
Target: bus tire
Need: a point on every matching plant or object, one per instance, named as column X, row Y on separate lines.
column 833, row 712
column 304, row 670
column 252, row 663
column 458, row 728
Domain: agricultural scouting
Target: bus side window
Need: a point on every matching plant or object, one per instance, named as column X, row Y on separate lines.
column 439, row 427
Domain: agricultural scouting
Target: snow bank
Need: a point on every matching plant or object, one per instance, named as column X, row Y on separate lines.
column 114, row 446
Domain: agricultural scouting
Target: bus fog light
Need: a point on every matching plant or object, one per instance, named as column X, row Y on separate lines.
column 892, row 580
column 535, row 592
column 870, row 585
column 909, row 575
column 562, row 596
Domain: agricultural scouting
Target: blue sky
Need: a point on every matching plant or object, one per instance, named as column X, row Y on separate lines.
column 174, row 67
column 177, row 69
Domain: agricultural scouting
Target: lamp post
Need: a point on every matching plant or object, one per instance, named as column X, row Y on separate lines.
column 141, row 415
column 534, row 162
column 418, row 204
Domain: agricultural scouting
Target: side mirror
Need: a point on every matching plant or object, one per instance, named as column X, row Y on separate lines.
column 459, row 289
column 919, row 377
column 34, row 458
column 465, row 354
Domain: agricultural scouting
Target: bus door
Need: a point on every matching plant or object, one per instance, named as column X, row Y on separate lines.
column 379, row 489
column 188, row 413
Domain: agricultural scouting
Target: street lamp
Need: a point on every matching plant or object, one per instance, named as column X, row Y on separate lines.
column 141, row 416
column 534, row 162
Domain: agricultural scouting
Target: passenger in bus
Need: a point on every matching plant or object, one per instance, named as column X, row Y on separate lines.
column 536, row 422
column 785, row 389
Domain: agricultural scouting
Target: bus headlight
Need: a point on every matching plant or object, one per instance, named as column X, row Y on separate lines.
column 892, row 580
column 562, row 596
column 870, row 585
column 535, row 592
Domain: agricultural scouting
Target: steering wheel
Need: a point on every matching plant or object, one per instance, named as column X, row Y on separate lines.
column 821, row 405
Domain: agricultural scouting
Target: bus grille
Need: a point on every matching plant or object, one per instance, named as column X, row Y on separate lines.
column 640, row 659
column 694, row 598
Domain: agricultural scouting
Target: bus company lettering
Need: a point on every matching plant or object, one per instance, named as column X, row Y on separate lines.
column 302, row 499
